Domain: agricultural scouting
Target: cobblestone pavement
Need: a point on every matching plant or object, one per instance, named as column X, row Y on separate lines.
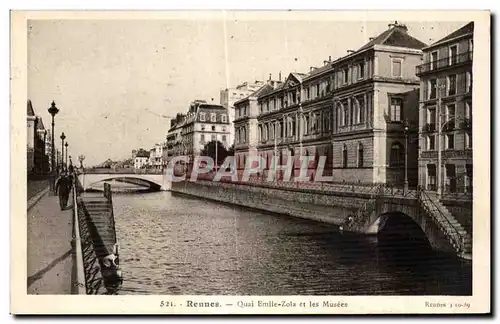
column 49, row 263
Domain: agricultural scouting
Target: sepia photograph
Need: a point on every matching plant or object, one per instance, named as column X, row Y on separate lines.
column 250, row 162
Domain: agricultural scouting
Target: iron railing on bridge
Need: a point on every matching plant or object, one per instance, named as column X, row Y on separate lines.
column 441, row 220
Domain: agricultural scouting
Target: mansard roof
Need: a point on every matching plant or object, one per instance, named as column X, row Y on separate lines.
column 396, row 36
column 463, row 31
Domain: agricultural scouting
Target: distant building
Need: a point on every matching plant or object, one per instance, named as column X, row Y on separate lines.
column 141, row 159
column 204, row 123
column 37, row 159
column 175, row 144
column 229, row 96
column 446, row 97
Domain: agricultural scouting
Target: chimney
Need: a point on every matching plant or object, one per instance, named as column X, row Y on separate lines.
column 371, row 38
column 279, row 76
column 330, row 58
column 401, row 27
column 269, row 76
column 312, row 68
column 350, row 51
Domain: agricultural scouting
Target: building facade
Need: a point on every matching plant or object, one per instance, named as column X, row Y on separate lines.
column 175, row 144
column 358, row 111
column 247, row 111
column 229, row 96
column 37, row 161
column 445, row 161
column 204, row 123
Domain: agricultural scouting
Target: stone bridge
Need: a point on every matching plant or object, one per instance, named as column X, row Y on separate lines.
column 90, row 179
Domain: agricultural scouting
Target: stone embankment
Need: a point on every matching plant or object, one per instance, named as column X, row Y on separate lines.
column 296, row 202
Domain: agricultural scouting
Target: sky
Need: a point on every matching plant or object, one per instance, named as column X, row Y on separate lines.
column 114, row 81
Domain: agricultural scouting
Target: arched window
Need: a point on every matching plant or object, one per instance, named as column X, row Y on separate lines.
column 260, row 133
column 266, row 132
column 344, row 156
column 360, row 155
column 397, row 154
column 244, row 136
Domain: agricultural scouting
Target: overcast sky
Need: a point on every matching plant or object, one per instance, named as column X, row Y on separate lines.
column 113, row 79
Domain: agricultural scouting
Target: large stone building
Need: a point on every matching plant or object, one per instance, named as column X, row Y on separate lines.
column 247, row 111
column 203, row 123
column 229, row 96
column 352, row 110
column 446, row 113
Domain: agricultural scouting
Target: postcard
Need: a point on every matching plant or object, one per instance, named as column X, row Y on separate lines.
column 250, row 162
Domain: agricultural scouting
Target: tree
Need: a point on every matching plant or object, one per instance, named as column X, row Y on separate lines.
column 209, row 150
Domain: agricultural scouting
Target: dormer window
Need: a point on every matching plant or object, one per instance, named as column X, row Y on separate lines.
column 202, row 116
column 224, row 118
column 213, row 117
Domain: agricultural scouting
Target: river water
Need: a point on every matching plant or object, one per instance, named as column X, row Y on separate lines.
column 175, row 245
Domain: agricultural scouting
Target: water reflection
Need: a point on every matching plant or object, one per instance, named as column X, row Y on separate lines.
column 172, row 244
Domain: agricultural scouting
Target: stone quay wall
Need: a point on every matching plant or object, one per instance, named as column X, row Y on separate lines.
column 302, row 203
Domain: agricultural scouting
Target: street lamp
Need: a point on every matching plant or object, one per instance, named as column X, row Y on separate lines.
column 405, row 188
column 53, row 110
column 44, row 151
column 66, row 151
column 438, row 93
column 63, row 137
column 81, row 157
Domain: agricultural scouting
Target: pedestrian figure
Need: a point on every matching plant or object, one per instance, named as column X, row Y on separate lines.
column 63, row 188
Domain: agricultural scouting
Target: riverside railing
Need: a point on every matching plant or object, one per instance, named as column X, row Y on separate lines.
column 79, row 284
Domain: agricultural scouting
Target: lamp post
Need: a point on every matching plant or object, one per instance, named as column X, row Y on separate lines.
column 53, row 110
column 63, row 137
column 81, row 157
column 439, row 180
column 405, row 187
column 44, row 160
column 66, row 152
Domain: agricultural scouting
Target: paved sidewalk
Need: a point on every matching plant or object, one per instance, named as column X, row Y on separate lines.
column 50, row 263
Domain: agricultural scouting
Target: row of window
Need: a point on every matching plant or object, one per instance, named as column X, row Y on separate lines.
column 213, row 137
column 213, row 117
column 449, row 141
column 452, row 86
column 213, row 128
column 341, row 77
column 452, row 57
column 452, row 182
column 449, row 115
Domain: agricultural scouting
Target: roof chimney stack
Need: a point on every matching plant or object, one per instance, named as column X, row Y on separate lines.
column 350, row 51
column 269, row 76
column 371, row 38
column 401, row 27
column 279, row 76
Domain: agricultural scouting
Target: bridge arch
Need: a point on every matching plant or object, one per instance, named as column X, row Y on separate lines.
column 155, row 181
column 398, row 231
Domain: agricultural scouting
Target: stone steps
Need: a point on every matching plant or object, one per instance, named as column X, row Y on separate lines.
column 452, row 224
